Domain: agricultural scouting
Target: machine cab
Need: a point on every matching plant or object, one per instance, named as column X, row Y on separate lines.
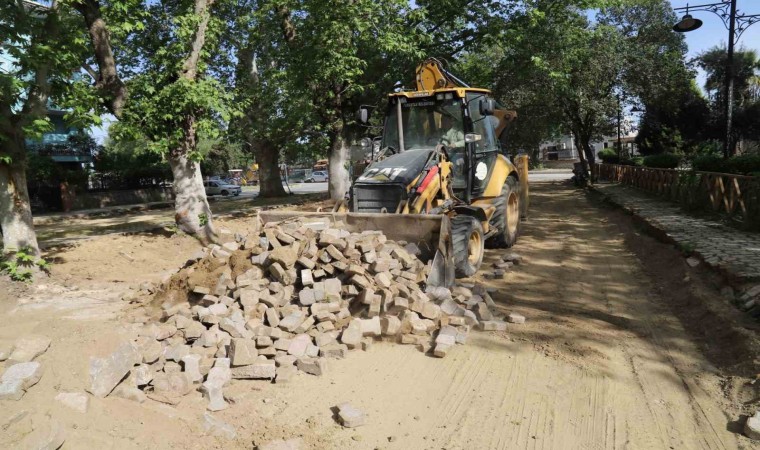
column 460, row 119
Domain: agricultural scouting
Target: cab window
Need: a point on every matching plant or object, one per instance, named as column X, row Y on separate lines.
column 482, row 125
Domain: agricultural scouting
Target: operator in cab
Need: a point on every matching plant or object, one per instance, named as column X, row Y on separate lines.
column 453, row 136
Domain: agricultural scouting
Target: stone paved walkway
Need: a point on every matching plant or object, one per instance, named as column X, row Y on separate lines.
column 733, row 252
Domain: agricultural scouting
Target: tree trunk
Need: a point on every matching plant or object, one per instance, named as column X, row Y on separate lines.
column 114, row 92
column 337, row 163
column 268, row 158
column 15, row 213
column 191, row 210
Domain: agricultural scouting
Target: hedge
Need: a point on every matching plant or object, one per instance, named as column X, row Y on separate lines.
column 739, row 165
column 662, row 161
column 608, row 156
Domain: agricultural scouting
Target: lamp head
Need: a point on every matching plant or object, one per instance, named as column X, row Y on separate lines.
column 687, row 23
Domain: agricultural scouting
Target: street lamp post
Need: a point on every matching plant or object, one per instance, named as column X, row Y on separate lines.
column 736, row 24
column 619, row 114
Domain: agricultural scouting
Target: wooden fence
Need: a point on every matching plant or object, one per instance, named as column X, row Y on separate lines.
column 736, row 196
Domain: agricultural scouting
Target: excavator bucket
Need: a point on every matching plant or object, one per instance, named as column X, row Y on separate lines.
column 431, row 233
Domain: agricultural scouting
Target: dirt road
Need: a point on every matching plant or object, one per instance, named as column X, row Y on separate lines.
column 616, row 353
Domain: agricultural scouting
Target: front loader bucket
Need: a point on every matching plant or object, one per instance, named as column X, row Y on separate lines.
column 431, row 233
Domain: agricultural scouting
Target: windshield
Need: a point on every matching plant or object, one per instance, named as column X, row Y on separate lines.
column 426, row 122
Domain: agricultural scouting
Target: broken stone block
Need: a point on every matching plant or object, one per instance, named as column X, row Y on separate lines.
column 78, row 401
column 493, row 325
column 290, row 444
column 18, row 378
column 752, row 426
column 243, row 352
column 349, row 416
column 515, row 318
column 217, row 427
column 129, row 393
column 306, row 278
column 514, row 258
column 292, row 321
column 175, row 384
column 143, row 374
column 333, row 350
column 430, row 311
column 285, row 373
column 286, row 256
column 390, row 325
column 261, row 369
column 312, row 366
column 299, row 344
column 441, row 350
column 27, row 348
column 191, row 365
column 352, row 334
column 370, row 327
column 483, row 312
column 176, row 352
column 106, row 373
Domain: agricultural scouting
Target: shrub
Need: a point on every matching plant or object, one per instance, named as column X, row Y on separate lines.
column 635, row 161
column 740, row 165
column 608, row 156
column 662, row 161
column 709, row 163
column 744, row 164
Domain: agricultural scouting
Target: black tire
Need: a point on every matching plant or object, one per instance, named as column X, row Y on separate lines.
column 225, row 193
column 506, row 219
column 467, row 241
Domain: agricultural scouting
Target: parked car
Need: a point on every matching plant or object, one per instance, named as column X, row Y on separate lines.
column 318, row 176
column 218, row 187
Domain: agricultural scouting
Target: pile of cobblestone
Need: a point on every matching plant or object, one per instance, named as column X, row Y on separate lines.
column 285, row 299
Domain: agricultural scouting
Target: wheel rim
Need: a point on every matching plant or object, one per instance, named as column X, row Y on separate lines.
column 513, row 213
column 474, row 247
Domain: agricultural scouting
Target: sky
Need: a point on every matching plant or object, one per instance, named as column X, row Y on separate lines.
column 713, row 32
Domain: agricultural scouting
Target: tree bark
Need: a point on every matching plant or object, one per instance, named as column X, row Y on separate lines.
column 338, row 184
column 268, row 158
column 191, row 210
column 108, row 82
column 15, row 213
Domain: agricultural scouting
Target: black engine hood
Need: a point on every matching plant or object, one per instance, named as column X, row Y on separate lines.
column 401, row 168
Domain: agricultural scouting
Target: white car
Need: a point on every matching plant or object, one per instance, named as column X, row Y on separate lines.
column 218, row 187
column 318, row 176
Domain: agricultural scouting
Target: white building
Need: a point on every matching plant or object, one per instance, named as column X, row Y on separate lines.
column 563, row 148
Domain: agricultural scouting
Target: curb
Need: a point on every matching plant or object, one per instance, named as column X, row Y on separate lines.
column 748, row 301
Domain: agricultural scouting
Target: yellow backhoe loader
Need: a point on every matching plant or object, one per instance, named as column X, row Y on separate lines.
column 441, row 178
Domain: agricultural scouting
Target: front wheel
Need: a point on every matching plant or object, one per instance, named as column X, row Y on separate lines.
column 467, row 242
column 506, row 218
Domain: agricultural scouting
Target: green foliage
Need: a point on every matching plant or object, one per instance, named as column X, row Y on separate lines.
column 609, row 156
column 131, row 164
column 203, row 219
column 739, row 165
column 662, row 161
column 19, row 265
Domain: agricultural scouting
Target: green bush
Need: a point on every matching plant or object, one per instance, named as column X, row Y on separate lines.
column 740, row 165
column 744, row 165
column 635, row 161
column 608, row 156
column 709, row 163
column 662, row 161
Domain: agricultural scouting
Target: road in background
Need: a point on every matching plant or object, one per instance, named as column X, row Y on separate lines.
column 310, row 188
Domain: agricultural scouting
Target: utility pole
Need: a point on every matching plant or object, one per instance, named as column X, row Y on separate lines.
column 728, row 144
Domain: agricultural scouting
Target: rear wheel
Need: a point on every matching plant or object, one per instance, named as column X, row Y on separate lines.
column 225, row 193
column 506, row 219
column 467, row 240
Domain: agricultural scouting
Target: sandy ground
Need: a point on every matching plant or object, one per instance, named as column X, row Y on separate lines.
column 625, row 347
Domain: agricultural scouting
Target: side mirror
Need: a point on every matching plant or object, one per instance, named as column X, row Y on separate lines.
column 366, row 143
column 472, row 137
column 487, row 106
column 362, row 115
